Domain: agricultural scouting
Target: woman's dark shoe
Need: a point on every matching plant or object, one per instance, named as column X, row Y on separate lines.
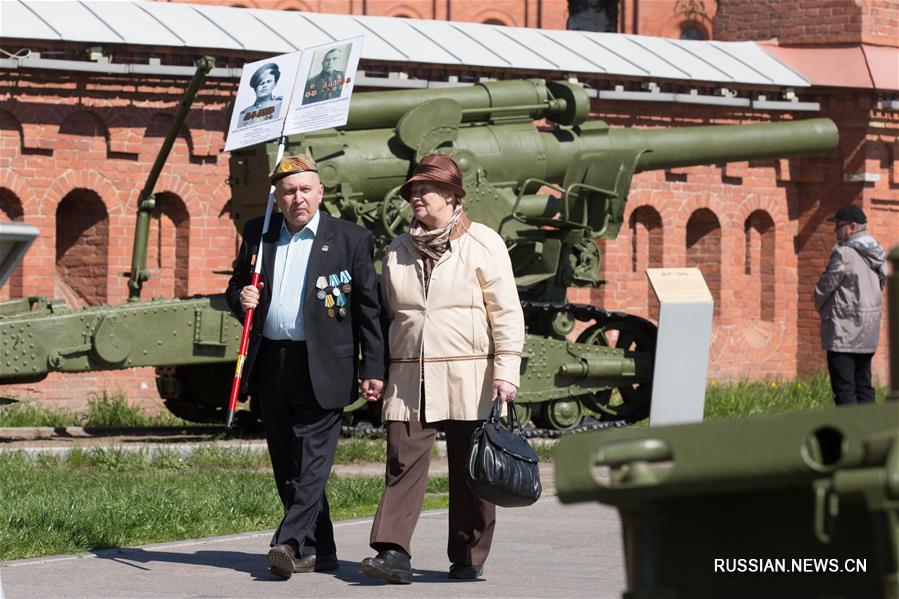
column 390, row 565
column 461, row 572
column 281, row 561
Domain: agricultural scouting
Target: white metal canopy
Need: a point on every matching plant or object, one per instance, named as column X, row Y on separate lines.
column 395, row 39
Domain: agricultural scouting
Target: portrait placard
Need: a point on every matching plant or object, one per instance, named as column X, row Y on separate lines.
column 321, row 93
column 263, row 100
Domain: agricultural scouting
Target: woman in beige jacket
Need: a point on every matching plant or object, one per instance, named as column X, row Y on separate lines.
column 455, row 339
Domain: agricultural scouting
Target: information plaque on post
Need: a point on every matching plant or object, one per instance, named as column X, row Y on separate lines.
column 682, row 349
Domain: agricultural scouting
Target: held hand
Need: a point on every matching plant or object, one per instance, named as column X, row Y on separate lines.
column 372, row 389
column 504, row 391
column 249, row 296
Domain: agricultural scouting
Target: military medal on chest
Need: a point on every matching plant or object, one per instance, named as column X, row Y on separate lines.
column 333, row 290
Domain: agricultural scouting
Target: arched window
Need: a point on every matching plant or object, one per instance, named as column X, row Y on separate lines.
column 11, row 210
column 83, row 131
column 647, row 248
column 82, row 245
column 693, row 30
column 168, row 251
column 760, row 261
column 704, row 250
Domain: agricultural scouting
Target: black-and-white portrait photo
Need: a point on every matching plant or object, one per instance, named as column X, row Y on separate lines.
column 267, row 106
column 327, row 76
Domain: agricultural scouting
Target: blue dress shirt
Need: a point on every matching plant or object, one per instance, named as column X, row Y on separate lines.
column 285, row 313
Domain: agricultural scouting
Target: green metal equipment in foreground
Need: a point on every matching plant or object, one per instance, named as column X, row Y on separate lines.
column 797, row 505
column 551, row 191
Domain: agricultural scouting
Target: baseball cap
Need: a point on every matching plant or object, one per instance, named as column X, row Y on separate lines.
column 849, row 214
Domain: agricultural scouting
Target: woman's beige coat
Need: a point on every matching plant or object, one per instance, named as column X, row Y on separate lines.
column 468, row 331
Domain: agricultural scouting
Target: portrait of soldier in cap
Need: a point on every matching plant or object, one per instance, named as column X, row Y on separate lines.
column 267, row 106
column 329, row 81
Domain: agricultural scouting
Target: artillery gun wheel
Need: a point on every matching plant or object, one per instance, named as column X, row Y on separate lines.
column 560, row 414
column 198, row 393
column 630, row 333
column 396, row 213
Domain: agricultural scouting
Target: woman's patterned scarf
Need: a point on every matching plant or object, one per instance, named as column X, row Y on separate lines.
column 433, row 243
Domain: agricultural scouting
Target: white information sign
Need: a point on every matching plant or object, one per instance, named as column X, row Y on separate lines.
column 322, row 91
column 263, row 100
column 682, row 348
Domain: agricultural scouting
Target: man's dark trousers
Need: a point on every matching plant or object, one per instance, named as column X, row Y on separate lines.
column 302, row 438
column 850, row 377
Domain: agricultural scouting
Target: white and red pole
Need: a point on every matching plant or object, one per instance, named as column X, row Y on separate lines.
column 256, row 263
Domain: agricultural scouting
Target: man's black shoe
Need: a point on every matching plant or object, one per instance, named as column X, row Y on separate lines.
column 461, row 572
column 281, row 561
column 390, row 565
column 313, row 563
column 326, row 563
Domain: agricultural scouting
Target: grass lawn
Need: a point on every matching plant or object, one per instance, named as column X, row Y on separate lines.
column 111, row 498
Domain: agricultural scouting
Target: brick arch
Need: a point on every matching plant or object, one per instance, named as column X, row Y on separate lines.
column 297, row 5
column 68, row 181
column 11, row 209
column 703, row 241
column 158, row 127
column 647, row 246
column 168, row 249
column 174, row 184
column 82, row 245
column 404, row 11
column 82, row 127
column 878, row 159
column 495, row 17
column 760, row 262
column 10, row 125
column 693, row 25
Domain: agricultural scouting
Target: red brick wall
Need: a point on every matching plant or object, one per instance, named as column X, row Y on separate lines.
column 547, row 14
column 795, row 22
column 662, row 18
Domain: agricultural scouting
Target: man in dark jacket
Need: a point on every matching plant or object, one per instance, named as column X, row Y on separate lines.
column 317, row 306
column 848, row 297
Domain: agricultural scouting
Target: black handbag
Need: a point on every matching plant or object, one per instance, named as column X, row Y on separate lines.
column 502, row 465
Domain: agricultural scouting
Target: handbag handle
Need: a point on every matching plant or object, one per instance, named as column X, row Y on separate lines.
column 511, row 417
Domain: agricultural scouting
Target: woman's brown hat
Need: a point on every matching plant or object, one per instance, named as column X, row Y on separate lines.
column 436, row 168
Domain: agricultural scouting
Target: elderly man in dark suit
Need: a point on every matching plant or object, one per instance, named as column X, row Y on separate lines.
column 317, row 308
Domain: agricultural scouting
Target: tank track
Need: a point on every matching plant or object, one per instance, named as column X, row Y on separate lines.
column 582, row 312
column 529, row 432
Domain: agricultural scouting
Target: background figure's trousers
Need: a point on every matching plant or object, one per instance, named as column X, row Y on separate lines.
column 850, row 377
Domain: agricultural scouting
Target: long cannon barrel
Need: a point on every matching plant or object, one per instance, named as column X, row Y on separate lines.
column 375, row 161
column 672, row 148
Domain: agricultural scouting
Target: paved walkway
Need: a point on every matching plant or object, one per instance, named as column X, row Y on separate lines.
column 545, row 550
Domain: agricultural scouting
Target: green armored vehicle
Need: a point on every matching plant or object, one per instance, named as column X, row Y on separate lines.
column 551, row 192
column 796, row 505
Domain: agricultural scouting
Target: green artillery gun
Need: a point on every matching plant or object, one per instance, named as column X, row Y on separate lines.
column 796, row 505
column 551, row 192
